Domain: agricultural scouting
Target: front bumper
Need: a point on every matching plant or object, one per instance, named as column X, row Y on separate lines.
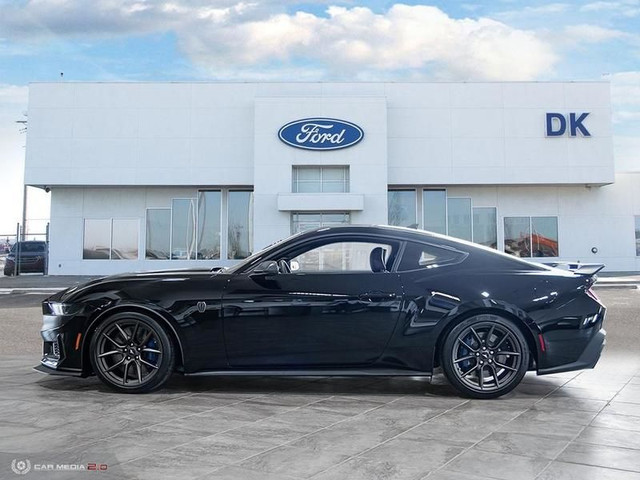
column 62, row 341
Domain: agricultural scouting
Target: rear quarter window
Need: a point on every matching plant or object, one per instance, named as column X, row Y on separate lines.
column 418, row 256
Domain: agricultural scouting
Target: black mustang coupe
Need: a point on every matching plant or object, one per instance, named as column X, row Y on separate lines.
column 352, row 300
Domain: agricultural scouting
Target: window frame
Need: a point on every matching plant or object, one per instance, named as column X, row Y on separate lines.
column 295, row 182
column 146, row 238
column 530, row 217
column 461, row 257
column 303, row 247
column 322, row 225
column 636, row 232
column 224, row 224
column 111, row 219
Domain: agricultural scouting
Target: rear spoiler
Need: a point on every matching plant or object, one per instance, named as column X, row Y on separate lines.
column 586, row 269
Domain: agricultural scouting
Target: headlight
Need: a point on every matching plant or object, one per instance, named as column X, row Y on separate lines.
column 61, row 309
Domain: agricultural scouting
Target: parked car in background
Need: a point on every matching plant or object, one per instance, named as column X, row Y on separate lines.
column 30, row 257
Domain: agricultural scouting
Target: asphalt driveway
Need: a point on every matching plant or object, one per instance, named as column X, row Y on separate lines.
column 583, row 425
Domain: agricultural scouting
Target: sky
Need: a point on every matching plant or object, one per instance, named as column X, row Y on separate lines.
column 321, row 40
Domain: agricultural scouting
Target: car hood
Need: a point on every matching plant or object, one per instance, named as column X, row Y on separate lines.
column 128, row 280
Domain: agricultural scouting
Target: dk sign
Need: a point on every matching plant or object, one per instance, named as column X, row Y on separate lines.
column 559, row 124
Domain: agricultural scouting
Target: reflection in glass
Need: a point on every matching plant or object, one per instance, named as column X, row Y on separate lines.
column 485, row 228
column 638, row 236
column 209, row 208
column 517, row 236
column 158, row 228
column 240, row 221
column 124, row 240
column 320, row 179
column 97, row 239
column 544, row 236
column 338, row 257
column 459, row 217
column 301, row 222
column 183, row 225
column 434, row 208
column 402, row 208
column 335, row 179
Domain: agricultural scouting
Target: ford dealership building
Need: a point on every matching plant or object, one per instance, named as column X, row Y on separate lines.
column 165, row 175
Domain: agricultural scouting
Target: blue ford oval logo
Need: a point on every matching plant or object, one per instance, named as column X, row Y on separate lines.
column 320, row 134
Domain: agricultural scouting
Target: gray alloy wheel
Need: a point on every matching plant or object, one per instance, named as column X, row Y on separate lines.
column 485, row 356
column 131, row 352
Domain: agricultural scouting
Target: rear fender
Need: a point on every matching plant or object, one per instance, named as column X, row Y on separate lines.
column 495, row 307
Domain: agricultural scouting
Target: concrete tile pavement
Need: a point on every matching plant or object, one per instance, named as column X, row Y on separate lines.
column 577, row 425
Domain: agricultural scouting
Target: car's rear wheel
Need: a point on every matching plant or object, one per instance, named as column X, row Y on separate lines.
column 132, row 353
column 485, row 356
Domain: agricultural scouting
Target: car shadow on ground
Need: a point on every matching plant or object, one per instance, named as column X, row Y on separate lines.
column 180, row 385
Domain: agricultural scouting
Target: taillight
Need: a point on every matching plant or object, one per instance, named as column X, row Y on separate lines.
column 589, row 291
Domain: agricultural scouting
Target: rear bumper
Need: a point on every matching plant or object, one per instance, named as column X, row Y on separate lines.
column 587, row 359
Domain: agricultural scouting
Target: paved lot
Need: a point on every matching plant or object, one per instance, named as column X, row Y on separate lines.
column 583, row 425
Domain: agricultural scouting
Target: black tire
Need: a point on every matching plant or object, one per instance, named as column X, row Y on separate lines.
column 132, row 353
column 485, row 356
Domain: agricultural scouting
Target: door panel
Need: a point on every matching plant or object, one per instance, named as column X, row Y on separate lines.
column 309, row 319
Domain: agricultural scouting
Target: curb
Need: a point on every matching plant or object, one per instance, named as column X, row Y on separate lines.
column 621, row 286
column 30, row 291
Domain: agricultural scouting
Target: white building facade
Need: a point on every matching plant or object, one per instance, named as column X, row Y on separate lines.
column 165, row 175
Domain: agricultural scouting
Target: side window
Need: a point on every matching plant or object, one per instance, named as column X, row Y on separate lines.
column 343, row 257
column 417, row 256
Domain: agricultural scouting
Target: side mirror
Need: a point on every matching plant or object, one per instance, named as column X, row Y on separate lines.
column 269, row 267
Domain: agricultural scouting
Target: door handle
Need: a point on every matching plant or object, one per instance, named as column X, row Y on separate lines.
column 377, row 296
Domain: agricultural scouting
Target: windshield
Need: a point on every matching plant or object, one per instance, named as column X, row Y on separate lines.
column 28, row 247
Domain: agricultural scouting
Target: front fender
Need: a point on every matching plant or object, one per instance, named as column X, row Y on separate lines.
column 149, row 309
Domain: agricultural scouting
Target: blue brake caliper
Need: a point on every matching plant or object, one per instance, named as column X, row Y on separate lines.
column 464, row 351
column 151, row 357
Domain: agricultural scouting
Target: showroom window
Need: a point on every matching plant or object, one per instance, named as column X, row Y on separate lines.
column 301, row 222
column 638, row 236
column 209, row 225
column 531, row 236
column 308, row 179
column 217, row 224
column 402, row 208
column 158, row 243
column 485, row 226
column 459, row 218
column 239, row 232
column 110, row 239
column 338, row 257
column 434, row 210
column 183, row 228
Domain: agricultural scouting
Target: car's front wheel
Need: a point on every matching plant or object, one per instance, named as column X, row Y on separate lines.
column 132, row 353
column 485, row 356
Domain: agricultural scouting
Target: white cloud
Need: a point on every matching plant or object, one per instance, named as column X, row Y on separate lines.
column 227, row 34
column 357, row 39
column 626, row 151
column 630, row 8
column 586, row 33
column 625, row 89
